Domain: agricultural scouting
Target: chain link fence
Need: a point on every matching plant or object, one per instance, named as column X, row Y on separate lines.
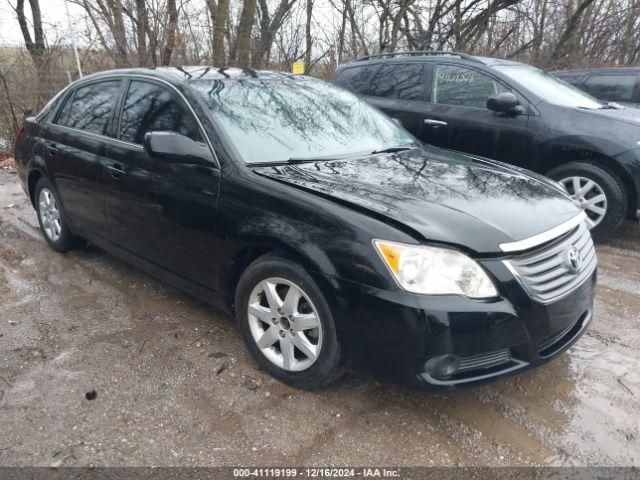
column 26, row 87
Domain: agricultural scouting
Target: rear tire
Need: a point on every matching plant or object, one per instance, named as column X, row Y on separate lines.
column 600, row 191
column 52, row 220
column 286, row 323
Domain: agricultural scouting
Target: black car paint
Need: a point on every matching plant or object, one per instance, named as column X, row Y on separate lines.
column 442, row 197
column 198, row 224
column 539, row 137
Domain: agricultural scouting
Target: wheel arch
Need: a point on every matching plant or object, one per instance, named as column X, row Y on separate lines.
column 249, row 253
column 600, row 160
column 32, row 180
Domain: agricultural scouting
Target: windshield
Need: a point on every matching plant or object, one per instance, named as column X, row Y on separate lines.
column 550, row 88
column 276, row 120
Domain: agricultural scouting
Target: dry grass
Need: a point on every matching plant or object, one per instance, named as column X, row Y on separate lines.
column 7, row 163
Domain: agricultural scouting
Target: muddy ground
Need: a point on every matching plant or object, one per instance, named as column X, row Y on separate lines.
column 175, row 385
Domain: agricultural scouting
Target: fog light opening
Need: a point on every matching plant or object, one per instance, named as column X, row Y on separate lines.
column 443, row 366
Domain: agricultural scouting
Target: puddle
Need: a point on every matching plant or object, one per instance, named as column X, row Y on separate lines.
column 86, row 321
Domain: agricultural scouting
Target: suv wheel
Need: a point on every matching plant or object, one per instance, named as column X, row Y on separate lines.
column 53, row 224
column 600, row 193
column 286, row 323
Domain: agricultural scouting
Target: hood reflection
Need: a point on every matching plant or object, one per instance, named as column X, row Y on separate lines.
column 423, row 186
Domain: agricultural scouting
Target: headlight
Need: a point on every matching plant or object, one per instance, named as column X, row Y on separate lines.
column 435, row 270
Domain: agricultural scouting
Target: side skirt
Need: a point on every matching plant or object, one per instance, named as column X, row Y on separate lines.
column 206, row 294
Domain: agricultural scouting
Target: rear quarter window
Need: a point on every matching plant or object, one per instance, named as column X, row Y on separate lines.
column 355, row 79
column 402, row 81
column 47, row 114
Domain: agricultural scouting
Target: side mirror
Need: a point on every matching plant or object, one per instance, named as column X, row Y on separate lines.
column 171, row 147
column 505, row 102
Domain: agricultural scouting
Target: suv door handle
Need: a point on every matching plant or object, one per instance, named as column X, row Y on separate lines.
column 115, row 170
column 434, row 123
column 52, row 148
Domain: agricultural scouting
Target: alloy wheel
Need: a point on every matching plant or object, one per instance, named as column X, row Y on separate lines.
column 590, row 195
column 49, row 214
column 285, row 324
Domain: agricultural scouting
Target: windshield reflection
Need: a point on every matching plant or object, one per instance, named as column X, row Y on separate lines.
column 550, row 88
column 277, row 119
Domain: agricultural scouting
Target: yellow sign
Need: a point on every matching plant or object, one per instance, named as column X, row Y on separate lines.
column 297, row 68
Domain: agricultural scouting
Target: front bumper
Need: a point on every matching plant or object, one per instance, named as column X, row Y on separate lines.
column 395, row 334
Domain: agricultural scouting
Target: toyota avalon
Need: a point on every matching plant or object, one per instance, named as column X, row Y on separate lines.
column 337, row 240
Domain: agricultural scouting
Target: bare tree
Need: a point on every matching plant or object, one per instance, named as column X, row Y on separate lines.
column 141, row 32
column 35, row 45
column 269, row 25
column 308, row 39
column 560, row 48
column 241, row 51
column 172, row 32
column 273, row 33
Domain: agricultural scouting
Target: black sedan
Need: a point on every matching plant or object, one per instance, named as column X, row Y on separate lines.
column 337, row 239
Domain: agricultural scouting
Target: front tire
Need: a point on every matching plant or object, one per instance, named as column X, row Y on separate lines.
column 600, row 192
column 286, row 323
column 53, row 223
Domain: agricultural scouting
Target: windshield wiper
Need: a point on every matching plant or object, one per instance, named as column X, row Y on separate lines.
column 326, row 158
column 297, row 160
column 391, row 150
column 292, row 161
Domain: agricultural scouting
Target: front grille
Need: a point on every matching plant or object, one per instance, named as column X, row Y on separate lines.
column 484, row 360
column 545, row 273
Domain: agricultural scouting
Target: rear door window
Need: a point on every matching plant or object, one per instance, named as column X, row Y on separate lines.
column 151, row 108
column 404, row 81
column 466, row 87
column 355, row 79
column 90, row 107
column 616, row 88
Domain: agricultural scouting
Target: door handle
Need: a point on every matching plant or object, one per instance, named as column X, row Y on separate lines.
column 52, row 148
column 116, row 171
column 434, row 123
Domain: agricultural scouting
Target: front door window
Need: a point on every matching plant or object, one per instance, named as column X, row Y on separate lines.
column 465, row 87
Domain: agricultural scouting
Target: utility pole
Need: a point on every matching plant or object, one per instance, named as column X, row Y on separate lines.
column 73, row 39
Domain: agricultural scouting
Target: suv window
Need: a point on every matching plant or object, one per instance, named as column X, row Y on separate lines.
column 467, row 87
column 355, row 79
column 572, row 79
column 89, row 108
column 617, row 88
column 399, row 81
column 151, row 108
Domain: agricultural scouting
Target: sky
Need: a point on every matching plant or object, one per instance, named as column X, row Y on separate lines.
column 53, row 14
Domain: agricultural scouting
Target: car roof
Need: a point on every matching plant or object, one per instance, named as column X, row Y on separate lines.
column 432, row 56
column 186, row 74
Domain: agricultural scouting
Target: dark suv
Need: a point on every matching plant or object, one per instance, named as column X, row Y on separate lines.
column 515, row 113
column 336, row 238
column 619, row 85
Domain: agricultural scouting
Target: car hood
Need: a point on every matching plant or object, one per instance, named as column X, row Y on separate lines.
column 630, row 116
column 438, row 195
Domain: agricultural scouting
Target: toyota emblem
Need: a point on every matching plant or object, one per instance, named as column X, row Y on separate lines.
column 574, row 260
